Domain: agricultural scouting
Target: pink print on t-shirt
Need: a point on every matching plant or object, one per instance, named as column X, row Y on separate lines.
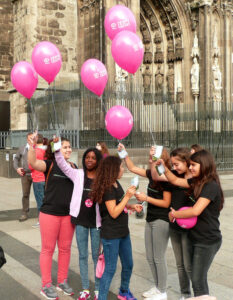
column 125, row 210
column 88, row 203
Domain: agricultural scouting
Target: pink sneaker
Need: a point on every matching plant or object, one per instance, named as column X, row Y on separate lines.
column 84, row 295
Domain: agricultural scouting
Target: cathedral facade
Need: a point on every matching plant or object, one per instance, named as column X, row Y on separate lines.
column 188, row 45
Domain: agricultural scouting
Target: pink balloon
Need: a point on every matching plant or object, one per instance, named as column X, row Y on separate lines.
column 119, row 121
column 46, row 59
column 186, row 223
column 94, row 76
column 117, row 19
column 24, row 78
column 127, row 51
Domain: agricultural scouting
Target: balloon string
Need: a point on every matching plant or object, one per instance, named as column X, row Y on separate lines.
column 49, row 113
column 147, row 119
column 103, row 105
column 55, row 113
column 35, row 123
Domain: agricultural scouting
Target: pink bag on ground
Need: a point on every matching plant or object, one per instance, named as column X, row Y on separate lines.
column 100, row 266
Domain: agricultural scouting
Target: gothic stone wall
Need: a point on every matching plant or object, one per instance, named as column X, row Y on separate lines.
column 35, row 21
column 6, row 42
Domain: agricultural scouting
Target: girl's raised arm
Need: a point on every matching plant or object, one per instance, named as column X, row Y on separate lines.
column 35, row 163
column 173, row 179
column 129, row 163
column 65, row 166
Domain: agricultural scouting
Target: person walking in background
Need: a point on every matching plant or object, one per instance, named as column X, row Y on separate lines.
column 54, row 218
column 205, row 236
column 38, row 178
column 85, row 213
column 115, row 237
column 102, row 147
column 20, row 164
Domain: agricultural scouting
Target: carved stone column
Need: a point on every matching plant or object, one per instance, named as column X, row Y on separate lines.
column 205, row 48
column 228, row 50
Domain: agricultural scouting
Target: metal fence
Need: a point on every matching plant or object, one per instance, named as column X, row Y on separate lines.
column 79, row 115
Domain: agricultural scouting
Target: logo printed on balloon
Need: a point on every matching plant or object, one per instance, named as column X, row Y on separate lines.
column 100, row 74
column 53, row 59
column 120, row 24
column 88, row 203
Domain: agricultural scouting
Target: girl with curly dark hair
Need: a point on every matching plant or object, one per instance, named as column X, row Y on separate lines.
column 206, row 236
column 85, row 213
column 115, row 237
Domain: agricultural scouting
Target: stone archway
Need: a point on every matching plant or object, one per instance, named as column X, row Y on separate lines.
column 164, row 25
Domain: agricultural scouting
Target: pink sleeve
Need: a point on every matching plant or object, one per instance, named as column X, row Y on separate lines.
column 65, row 166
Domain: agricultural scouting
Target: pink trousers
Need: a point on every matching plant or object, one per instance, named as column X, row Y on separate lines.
column 55, row 230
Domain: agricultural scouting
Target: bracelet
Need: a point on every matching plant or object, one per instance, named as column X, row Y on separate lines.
column 122, row 154
column 173, row 215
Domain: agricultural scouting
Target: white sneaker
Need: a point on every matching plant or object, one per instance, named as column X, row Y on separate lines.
column 159, row 296
column 150, row 293
column 36, row 225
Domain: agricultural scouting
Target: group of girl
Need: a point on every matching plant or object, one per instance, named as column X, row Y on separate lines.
column 193, row 183
column 91, row 200
column 82, row 200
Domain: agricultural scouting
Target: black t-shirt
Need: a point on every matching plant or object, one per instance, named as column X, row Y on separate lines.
column 207, row 230
column 58, row 191
column 179, row 199
column 113, row 228
column 87, row 213
column 155, row 212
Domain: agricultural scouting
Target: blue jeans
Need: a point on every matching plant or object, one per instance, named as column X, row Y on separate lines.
column 203, row 256
column 38, row 188
column 182, row 249
column 113, row 248
column 82, row 242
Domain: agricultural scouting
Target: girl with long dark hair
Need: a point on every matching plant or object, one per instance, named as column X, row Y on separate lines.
column 180, row 159
column 54, row 218
column 113, row 203
column 206, row 238
column 158, row 198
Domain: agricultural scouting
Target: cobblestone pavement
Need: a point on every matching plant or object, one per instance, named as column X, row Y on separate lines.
column 20, row 277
